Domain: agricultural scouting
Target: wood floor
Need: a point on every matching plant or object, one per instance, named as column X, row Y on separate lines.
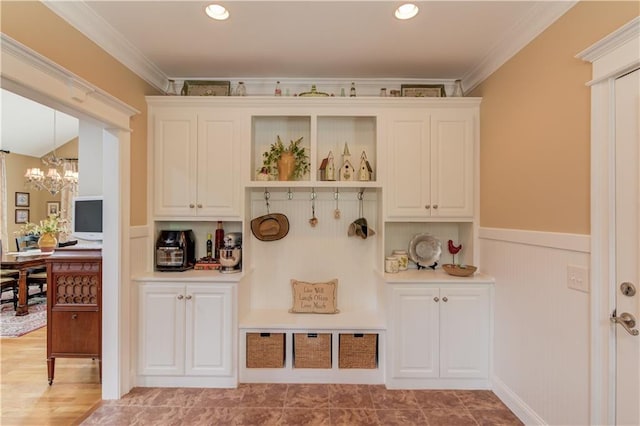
column 25, row 395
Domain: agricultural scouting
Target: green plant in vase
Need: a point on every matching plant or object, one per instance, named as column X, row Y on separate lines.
column 285, row 163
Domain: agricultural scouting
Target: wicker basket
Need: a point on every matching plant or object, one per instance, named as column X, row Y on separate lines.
column 459, row 271
column 358, row 351
column 312, row 350
column 265, row 350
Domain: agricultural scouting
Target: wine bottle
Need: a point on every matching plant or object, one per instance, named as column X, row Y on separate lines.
column 209, row 246
column 219, row 239
column 278, row 91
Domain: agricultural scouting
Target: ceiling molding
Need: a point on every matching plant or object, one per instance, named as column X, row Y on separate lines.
column 521, row 34
column 85, row 20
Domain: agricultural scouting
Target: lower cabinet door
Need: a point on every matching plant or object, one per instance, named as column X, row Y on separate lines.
column 414, row 347
column 464, row 332
column 75, row 332
column 161, row 329
column 208, row 346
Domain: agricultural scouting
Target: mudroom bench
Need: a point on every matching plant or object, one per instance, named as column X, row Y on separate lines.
column 281, row 347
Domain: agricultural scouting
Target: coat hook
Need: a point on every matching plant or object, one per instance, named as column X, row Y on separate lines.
column 289, row 194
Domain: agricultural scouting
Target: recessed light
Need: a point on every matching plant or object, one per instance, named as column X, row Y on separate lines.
column 217, row 12
column 406, row 11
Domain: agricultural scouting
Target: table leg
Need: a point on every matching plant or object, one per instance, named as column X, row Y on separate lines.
column 23, row 308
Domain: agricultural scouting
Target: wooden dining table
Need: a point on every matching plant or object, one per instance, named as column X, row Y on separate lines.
column 23, row 262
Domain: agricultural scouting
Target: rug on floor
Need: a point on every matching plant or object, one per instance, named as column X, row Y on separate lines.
column 13, row 326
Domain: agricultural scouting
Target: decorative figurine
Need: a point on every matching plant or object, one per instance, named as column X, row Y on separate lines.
column 365, row 173
column 346, row 171
column 328, row 168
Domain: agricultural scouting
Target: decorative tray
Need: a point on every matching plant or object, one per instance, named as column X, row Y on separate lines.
column 425, row 250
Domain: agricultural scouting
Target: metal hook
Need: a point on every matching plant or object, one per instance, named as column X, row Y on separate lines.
column 313, row 194
column 289, row 194
column 267, row 195
column 336, row 194
column 361, row 194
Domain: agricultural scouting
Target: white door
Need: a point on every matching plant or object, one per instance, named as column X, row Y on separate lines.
column 409, row 165
column 464, row 332
column 627, row 253
column 161, row 328
column 208, row 331
column 218, row 187
column 414, row 352
column 452, row 163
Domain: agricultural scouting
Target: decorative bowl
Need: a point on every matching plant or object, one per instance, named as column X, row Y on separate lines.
column 459, row 270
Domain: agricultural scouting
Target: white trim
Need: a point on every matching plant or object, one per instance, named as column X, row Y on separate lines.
column 563, row 241
column 141, row 231
column 30, row 74
column 521, row 34
column 611, row 57
column 28, row 69
column 526, row 414
column 95, row 28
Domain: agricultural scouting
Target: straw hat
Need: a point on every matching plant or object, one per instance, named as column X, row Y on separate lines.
column 270, row 227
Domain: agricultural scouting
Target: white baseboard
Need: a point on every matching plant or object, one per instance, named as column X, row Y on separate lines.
column 525, row 413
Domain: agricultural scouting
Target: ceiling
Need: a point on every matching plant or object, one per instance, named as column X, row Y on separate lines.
column 287, row 40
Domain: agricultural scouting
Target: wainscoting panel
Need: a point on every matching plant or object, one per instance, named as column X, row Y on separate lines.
column 541, row 336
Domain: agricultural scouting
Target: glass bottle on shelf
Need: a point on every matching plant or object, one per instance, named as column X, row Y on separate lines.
column 352, row 91
column 383, row 92
column 241, row 90
column 171, row 88
column 209, row 246
column 219, row 239
column 457, row 89
column 278, row 91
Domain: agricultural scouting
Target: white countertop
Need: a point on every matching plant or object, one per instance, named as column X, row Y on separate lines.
column 190, row 275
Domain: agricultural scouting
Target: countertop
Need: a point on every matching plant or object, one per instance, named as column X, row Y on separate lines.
column 426, row 276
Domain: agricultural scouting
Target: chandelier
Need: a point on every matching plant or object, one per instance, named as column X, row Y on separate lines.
column 56, row 178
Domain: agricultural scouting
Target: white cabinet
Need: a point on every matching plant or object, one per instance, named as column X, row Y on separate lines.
column 186, row 330
column 196, row 163
column 431, row 163
column 438, row 332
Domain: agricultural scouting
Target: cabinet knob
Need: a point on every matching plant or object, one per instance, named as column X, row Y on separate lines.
column 444, row 299
column 436, row 299
column 188, row 297
column 199, row 206
column 435, row 206
column 74, row 316
column 180, row 297
column 191, row 206
column 428, row 206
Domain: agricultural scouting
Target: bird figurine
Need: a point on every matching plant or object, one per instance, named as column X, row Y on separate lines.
column 453, row 249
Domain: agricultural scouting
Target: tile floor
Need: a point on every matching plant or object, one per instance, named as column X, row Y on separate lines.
column 303, row 404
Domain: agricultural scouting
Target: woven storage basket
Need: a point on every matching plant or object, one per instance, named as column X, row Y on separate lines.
column 358, row 351
column 312, row 350
column 265, row 350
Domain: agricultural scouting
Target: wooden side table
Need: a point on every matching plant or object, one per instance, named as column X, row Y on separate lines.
column 74, row 307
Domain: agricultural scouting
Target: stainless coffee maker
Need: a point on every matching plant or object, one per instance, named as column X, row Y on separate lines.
column 231, row 253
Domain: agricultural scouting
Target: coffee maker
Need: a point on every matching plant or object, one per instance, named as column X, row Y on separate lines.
column 231, row 253
column 175, row 250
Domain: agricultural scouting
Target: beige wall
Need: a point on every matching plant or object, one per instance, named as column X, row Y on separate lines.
column 535, row 126
column 34, row 25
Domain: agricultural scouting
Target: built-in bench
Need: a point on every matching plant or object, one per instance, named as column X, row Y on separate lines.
column 276, row 321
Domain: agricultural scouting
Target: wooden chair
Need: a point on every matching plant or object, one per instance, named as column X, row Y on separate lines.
column 27, row 242
column 9, row 285
column 36, row 277
column 8, row 273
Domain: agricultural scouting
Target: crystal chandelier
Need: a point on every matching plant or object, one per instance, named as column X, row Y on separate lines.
column 56, row 178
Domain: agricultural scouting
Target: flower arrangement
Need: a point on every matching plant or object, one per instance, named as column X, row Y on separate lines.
column 271, row 157
column 53, row 224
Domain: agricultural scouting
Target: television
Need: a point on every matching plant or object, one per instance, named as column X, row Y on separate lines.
column 87, row 218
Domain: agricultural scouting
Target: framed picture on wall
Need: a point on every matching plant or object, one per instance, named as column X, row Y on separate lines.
column 22, row 215
column 22, row 199
column 53, row 208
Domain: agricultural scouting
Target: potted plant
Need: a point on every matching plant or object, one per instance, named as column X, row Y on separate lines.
column 49, row 230
column 289, row 162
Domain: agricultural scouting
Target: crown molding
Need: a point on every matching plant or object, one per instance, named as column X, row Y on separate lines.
column 542, row 15
column 84, row 19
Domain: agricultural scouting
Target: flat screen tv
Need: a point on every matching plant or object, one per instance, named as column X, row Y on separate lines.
column 87, row 217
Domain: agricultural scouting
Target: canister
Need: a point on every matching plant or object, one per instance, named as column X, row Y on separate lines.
column 403, row 259
column 391, row 264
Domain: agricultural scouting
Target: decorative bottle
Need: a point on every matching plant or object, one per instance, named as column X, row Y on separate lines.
column 352, row 91
column 241, row 90
column 457, row 89
column 209, row 246
column 278, row 92
column 219, row 239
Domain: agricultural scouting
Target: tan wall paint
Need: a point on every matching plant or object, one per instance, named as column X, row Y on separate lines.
column 535, row 126
column 35, row 26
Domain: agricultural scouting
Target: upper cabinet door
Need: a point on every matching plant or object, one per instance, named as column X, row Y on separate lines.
column 174, row 147
column 219, row 149
column 452, row 171
column 408, row 187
